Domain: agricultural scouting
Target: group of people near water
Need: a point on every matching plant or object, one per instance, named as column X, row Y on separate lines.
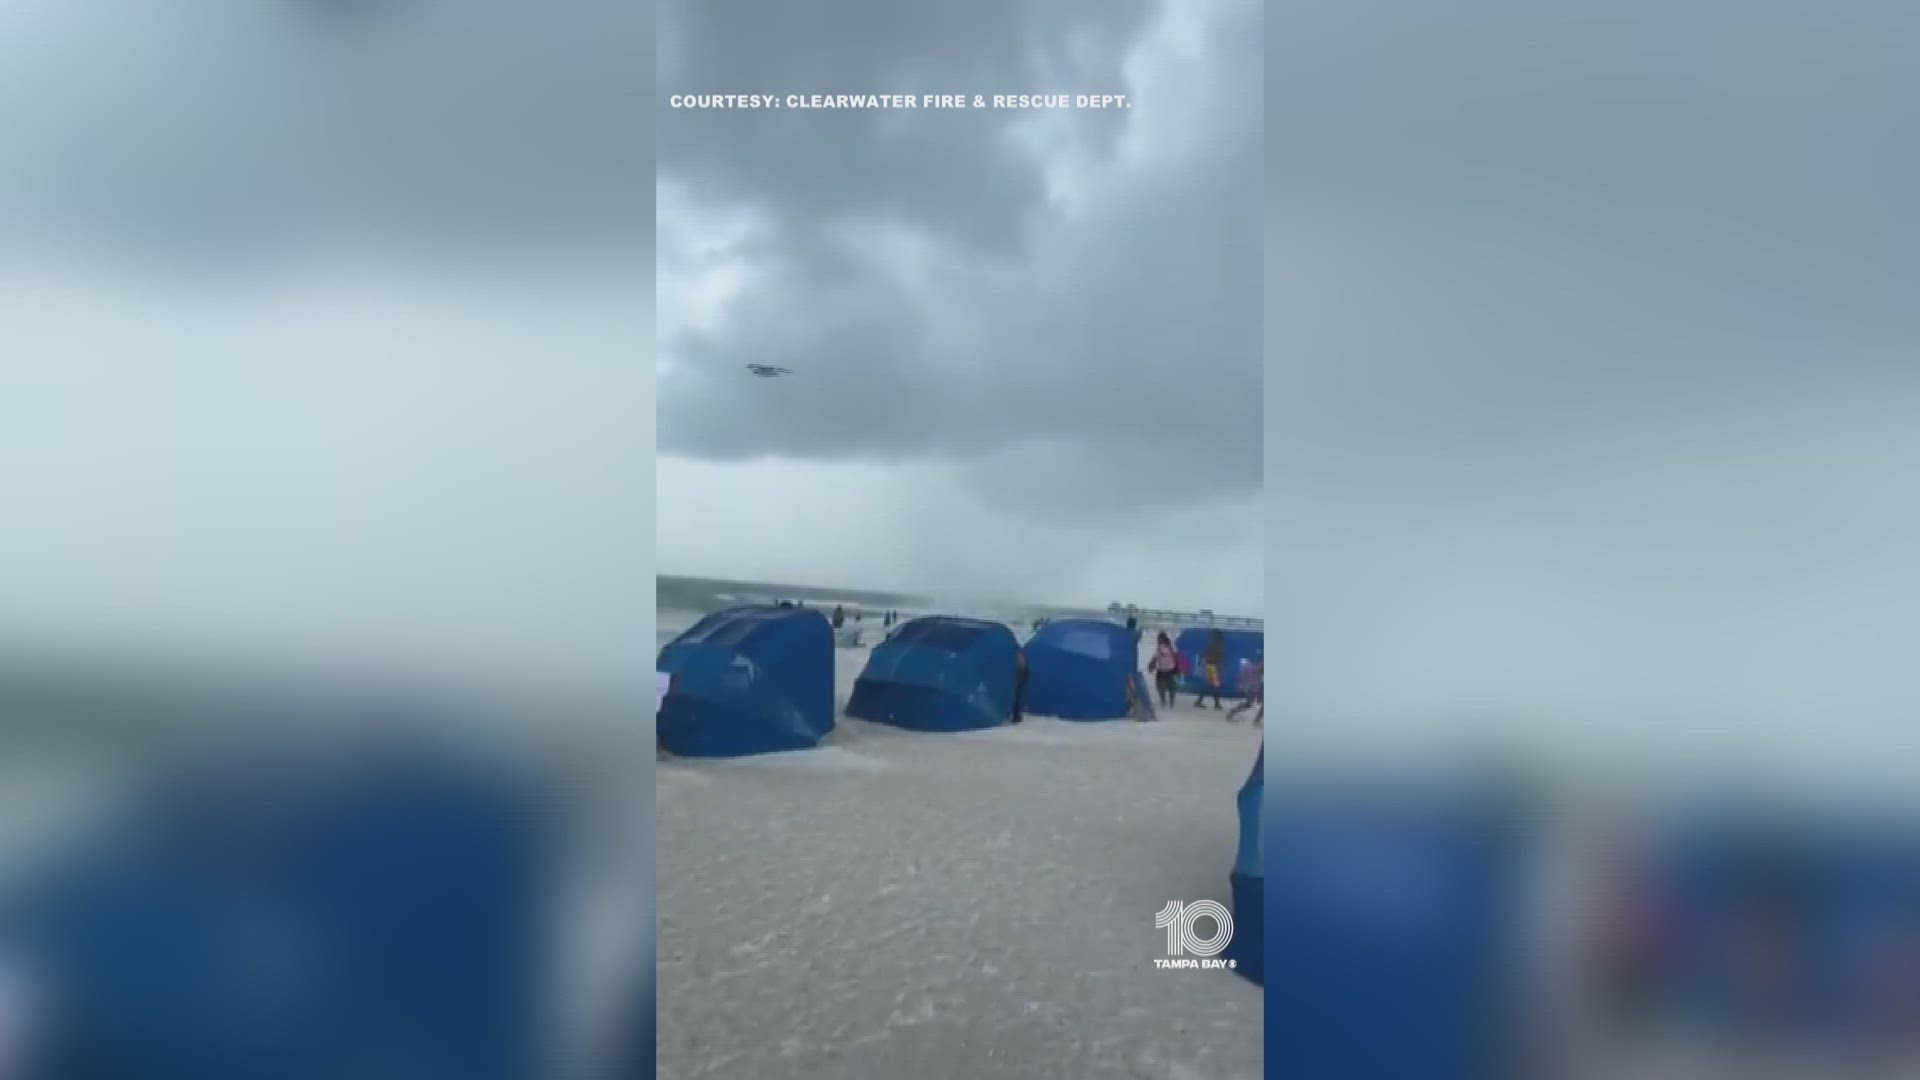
column 887, row 618
column 1168, row 664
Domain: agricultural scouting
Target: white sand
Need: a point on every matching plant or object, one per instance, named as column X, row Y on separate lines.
column 917, row 906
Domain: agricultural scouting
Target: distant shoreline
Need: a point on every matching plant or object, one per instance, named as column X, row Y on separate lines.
column 678, row 586
column 689, row 593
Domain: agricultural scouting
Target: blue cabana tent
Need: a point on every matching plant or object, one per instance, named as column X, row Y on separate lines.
column 1085, row 669
column 748, row 680
column 1243, row 647
column 938, row 673
column 1248, row 949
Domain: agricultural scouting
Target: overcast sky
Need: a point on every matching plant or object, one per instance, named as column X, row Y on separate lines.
column 1025, row 344
column 325, row 325
column 1595, row 384
column 1590, row 336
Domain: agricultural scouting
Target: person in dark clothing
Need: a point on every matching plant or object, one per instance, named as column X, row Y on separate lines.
column 839, row 616
column 1212, row 658
column 1020, row 675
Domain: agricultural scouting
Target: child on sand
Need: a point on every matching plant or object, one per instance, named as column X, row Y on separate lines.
column 1253, row 684
column 1211, row 657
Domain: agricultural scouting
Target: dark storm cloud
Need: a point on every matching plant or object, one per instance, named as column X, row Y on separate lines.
column 219, row 127
column 1158, row 333
column 968, row 313
column 1591, row 390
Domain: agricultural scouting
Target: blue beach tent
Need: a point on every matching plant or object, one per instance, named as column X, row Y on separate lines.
column 938, row 673
column 1248, row 949
column 1243, row 647
column 1085, row 669
column 748, row 680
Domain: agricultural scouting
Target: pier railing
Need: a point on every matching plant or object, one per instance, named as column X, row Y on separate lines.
column 1160, row 617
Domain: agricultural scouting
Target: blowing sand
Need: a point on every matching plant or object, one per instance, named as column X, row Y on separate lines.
column 898, row 904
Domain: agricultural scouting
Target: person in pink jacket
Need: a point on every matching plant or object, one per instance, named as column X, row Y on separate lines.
column 1165, row 669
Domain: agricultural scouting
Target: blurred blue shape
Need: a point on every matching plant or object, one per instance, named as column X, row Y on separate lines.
column 640, row 1060
column 1866, row 928
column 1248, row 949
column 300, row 922
column 1390, row 915
column 1833, row 900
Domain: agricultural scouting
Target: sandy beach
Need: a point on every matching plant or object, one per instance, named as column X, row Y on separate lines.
column 971, row 906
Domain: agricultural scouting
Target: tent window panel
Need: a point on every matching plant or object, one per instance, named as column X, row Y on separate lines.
column 1087, row 643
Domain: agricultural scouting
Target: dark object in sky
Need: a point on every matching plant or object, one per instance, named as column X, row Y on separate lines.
column 768, row 371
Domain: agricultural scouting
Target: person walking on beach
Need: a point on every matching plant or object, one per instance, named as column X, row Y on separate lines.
column 1020, row 675
column 1211, row 657
column 1253, row 684
column 1165, row 667
column 839, row 616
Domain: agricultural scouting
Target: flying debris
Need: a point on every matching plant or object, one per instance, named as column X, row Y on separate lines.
column 768, row 371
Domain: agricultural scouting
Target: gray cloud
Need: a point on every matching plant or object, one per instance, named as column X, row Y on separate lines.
column 326, row 329
column 1078, row 320
column 1695, row 201
column 220, row 129
column 958, row 176
column 1591, row 395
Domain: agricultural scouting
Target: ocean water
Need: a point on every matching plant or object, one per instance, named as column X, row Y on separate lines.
column 683, row 601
